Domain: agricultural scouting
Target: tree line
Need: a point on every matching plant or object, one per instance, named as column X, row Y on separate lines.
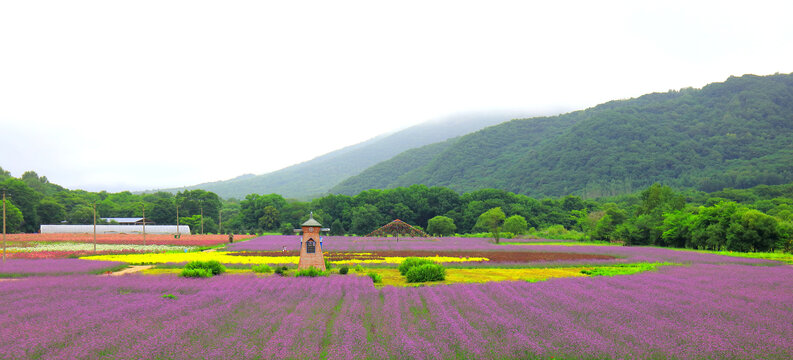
column 756, row 219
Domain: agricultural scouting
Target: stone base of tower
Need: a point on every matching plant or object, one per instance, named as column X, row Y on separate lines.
column 308, row 260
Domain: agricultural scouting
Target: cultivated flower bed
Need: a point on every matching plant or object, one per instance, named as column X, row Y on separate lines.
column 21, row 267
column 679, row 312
column 437, row 256
column 243, row 258
column 151, row 239
column 362, row 244
column 78, row 247
column 61, row 254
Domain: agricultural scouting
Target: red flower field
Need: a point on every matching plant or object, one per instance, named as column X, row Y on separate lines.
column 158, row 239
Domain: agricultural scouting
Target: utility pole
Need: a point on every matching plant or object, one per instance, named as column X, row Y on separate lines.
column 4, row 227
column 94, row 227
column 220, row 222
column 144, row 224
column 202, row 219
column 178, row 234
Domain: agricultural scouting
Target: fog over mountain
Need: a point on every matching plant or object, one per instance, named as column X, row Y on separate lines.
column 317, row 176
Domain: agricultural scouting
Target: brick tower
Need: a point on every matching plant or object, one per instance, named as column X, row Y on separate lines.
column 311, row 245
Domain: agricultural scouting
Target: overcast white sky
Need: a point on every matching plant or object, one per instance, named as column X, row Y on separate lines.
column 149, row 94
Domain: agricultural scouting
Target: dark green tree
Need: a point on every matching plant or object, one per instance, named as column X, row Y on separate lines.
column 677, row 229
column 14, row 219
column 365, row 219
column 441, row 226
column 751, row 230
column 270, row 218
column 192, row 202
column 709, row 229
column 162, row 211
column 25, row 199
column 606, row 227
column 81, row 215
column 50, row 212
column 492, row 219
column 336, row 228
column 516, row 224
column 286, row 229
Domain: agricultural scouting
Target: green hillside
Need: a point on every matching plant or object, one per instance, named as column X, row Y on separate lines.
column 459, row 158
column 738, row 133
column 338, row 165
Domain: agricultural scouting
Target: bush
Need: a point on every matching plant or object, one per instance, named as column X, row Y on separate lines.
column 328, row 264
column 196, row 273
column 376, row 278
column 203, row 269
column 263, row 268
column 344, row 270
column 358, row 268
column 411, row 262
column 212, row 265
column 281, row 270
column 426, row 272
column 311, row 272
column 169, row 296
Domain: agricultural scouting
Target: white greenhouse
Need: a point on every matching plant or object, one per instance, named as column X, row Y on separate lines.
column 113, row 229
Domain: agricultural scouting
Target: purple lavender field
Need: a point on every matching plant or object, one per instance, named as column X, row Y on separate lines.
column 679, row 312
column 711, row 306
column 53, row 266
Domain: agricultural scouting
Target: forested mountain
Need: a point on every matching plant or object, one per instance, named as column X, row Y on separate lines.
column 738, row 133
column 338, row 165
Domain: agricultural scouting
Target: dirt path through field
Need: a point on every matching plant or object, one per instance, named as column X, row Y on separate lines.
column 131, row 269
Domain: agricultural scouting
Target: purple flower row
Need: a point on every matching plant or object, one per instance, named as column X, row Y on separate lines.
column 54, row 266
column 683, row 312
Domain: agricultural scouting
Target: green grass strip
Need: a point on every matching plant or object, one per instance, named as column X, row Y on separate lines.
column 623, row 269
column 776, row 256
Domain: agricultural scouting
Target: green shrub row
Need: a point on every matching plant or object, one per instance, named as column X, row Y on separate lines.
column 203, row 269
column 411, row 262
column 421, row 270
column 376, row 278
column 311, row 272
column 426, row 272
column 281, row 270
column 262, row 268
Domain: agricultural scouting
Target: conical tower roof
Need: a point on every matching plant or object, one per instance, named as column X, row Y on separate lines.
column 311, row 221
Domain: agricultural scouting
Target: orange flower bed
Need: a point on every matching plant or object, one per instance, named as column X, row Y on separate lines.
column 151, row 239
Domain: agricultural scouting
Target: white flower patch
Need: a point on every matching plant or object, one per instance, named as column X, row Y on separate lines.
column 99, row 247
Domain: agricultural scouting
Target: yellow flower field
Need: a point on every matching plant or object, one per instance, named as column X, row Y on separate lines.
column 222, row 257
column 392, row 277
column 227, row 258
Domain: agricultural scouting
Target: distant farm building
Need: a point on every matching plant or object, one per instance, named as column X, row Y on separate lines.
column 114, row 229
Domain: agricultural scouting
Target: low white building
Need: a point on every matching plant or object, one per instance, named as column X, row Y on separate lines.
column 113, row 229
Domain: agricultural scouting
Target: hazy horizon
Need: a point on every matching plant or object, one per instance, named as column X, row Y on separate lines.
column 166, row 94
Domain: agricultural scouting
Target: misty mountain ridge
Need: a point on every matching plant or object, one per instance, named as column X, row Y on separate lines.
column 339, row 165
